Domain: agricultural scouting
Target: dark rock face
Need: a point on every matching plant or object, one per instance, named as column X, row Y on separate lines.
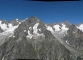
column 67, row 24
column 1, row 30
column 75, row 37
column 15, row 22
column 47, row 47
column 4, row 21
column 50, row 48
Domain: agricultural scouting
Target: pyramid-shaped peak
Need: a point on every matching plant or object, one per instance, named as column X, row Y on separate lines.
column 66, row 22
column 15, row 22
column 32, row 24
column 72, row 28
column 33, row 19
column 4, row 21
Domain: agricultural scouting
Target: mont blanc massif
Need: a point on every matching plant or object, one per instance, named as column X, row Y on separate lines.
column 33, row 39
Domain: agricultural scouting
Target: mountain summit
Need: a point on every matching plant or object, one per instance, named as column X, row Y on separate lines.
column 33, row 39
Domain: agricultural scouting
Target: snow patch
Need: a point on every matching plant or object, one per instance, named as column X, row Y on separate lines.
column 56, row 27
column 3, row 58
column 3, row 26
column 6, row 29
column 39, row 29
column 29, row 35
column 0, row 22
column 26, row 18
column 23, row 20
column 24, row 30
column 9, row 30
column 12, row 29
column 10, row 25
column 30, row 28
column 13, row 36
column 64, row 27
column 10, row 36
column 17, row 20
column 80, row 27
column 49, row 28
column 67, row 42
column 35, row 30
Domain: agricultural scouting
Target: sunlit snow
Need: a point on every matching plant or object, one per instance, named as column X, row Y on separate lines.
column 7, row 30
column 29, row 35
column 17, row 20
column 80, row 27
column 64, row 27
column 50, row 28
column 39, row 29
column 67, row 42
column 56, row 27
column 30, row 28
column 13, row 36
column 24, row 30
column 35, row 30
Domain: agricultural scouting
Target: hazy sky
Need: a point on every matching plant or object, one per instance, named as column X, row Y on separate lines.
column 48, row 12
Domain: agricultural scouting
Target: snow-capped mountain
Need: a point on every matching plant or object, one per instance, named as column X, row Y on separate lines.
column 7, row 29
column 9, row 26
column 58, row 27
column 33, row 39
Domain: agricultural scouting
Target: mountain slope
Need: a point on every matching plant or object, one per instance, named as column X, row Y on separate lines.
column 32, row 39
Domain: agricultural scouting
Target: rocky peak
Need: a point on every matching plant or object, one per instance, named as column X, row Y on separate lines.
column 15, row 22
column 74, row 37
column 29, row 27
column 73, row 30
column 32, row 20
column 25, row 44
column 4, row 21
column 67, row 24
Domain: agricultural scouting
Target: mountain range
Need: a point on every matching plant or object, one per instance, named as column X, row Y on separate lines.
column 33, row 39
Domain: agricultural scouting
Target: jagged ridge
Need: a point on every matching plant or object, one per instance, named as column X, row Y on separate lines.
column 32, row 39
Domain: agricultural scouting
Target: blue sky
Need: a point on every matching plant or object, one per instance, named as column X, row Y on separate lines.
column 48, row 12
